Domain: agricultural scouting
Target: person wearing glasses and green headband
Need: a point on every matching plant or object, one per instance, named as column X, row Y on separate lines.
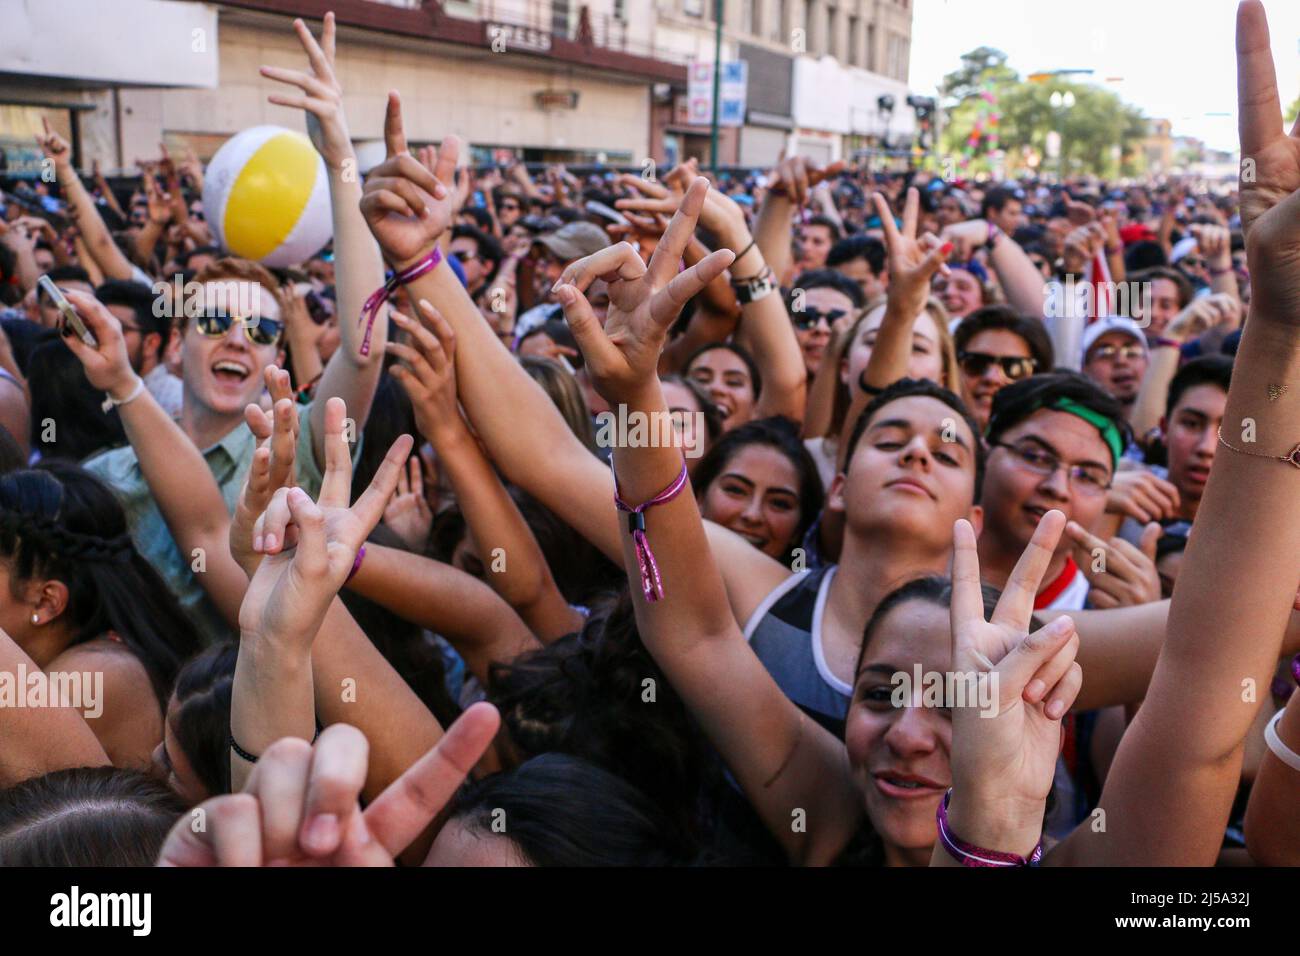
column 1054, row 442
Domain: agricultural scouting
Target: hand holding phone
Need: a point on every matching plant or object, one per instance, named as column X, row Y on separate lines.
column 70, row 317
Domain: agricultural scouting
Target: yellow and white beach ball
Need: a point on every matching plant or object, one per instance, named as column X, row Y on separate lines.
column 266, row 196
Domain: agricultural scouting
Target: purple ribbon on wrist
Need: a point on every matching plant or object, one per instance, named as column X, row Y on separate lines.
column 370, row 310
column 356, row 564
column 967, row 854
column 651, row 584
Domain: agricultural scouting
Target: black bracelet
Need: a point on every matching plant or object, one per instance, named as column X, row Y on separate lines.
column 254, row 758
column 867, row 389
column 740, row 255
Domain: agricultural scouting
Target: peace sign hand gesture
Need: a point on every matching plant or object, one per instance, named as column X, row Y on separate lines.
column 1270, row 175
column 1003, row 755
column 406, row 205
column 913, row 261
column 644, row 300
column 311, row 546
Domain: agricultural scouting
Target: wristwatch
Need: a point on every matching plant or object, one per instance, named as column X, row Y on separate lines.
column 754, row 288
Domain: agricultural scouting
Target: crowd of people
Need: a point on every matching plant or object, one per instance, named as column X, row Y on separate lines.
column 369, row 578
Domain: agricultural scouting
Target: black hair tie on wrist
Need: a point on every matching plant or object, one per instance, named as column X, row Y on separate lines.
column 254, row 758
column 868, row 389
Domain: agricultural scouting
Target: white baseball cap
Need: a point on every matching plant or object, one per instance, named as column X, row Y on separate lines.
column 1111, row 323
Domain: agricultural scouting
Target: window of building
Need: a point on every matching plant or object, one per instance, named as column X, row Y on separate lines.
column 779, row 25
column 854, row 54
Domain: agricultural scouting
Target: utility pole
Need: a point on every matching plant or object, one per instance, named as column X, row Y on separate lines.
column 717, row 83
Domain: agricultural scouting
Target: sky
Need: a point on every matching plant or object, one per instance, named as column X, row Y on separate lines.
column 1176, row 59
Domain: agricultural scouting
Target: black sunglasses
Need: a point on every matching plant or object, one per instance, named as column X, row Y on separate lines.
column 1014, row 367
column 811, row 315
column 216, row 325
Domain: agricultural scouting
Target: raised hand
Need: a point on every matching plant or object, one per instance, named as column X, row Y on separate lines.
column 913, row 261
column 1203, row 314
column 1142, row 496
column 429, row 374
column 1003, row 762
column 1270, row 175
column 407, row 206
column 272, row 465
column 311, row 547
column 1120, row 574
column 644, row 300
column 720, row 214
column 321, row 97
column 408, row 513
column 1215, row 243
column 301, row 806
column 107, row 364
column 54, row 146
column 795, row 177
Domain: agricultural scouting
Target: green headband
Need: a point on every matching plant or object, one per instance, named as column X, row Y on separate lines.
column 1099, row 421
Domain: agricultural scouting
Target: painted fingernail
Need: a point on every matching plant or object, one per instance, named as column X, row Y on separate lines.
column 322, row 833
column 947, row 248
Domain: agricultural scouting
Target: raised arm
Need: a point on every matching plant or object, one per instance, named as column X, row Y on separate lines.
column 1272, row 827
column 101, row 245
column 1170, row 789
column 475, row 621
column 177, row 474
column 310, row 549
column 524, row 434
column 782, row 761
column 517, row 569
column 913, row 261
column 349, row 374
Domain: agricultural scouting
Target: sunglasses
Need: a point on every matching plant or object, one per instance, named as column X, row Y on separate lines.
column 811, row 315
column 216, row 325
column 1014, row 367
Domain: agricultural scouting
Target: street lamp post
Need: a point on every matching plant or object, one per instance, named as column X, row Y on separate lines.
column 717, row 83
column 1060, row 103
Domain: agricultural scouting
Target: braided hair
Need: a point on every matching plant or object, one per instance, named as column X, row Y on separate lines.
column 61, row 522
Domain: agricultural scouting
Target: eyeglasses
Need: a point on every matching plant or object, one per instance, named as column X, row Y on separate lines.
column 811, row 315
column 1108, row 353
column 1014, row 367
column 507, row 206
column 1191, row 262
column 260, row 331
column 1085, row 479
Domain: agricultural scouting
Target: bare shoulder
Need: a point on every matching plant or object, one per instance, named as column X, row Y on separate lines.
column 123, row 710
column 749, row 574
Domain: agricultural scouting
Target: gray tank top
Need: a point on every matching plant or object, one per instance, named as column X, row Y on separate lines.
column 785, row 633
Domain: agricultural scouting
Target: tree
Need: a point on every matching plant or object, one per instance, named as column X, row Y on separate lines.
column 979, row 67
column 1292, row 111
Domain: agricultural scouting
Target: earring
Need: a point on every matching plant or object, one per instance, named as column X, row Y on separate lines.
column 36, row 619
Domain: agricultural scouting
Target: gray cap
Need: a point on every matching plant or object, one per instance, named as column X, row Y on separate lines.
column 576, row 240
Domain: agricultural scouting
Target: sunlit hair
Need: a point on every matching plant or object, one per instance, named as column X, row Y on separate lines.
column 839, row 350
column 231, row 269
column 566, row 394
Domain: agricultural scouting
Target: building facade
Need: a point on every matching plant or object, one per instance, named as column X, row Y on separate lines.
column 550, row 80
column 827, row 78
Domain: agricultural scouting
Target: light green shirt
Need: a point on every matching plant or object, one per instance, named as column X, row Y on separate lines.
column 229, row 460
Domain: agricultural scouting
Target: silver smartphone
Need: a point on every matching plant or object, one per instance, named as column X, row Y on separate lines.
column 70, row 316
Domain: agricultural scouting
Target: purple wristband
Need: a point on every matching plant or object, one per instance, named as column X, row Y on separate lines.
column 356, row 565
column 652, row 587
column 967, row 854
column 370, row 311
